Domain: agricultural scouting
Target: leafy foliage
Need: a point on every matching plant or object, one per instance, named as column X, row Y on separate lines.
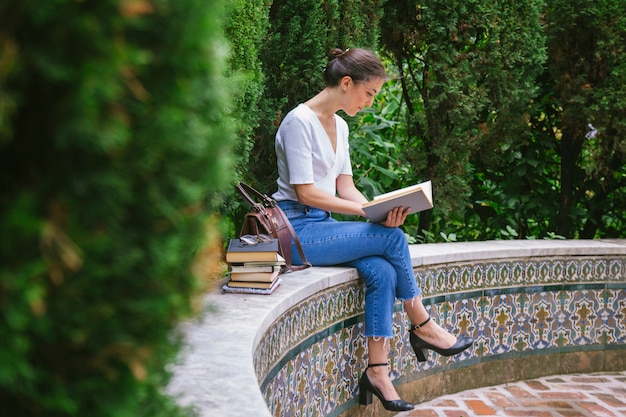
column 246, row 29
column 112, row 138
column 467, row 70
column 567, row 177
column 586, row 78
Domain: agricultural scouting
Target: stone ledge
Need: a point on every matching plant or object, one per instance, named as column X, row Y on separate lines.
column 441, row 253
column 216, row 373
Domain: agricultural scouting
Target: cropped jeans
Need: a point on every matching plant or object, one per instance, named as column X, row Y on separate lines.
column 380, row 254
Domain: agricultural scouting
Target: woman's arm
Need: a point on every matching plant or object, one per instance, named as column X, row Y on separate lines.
column 347, row 190
column 312, row 196
column 350, row 201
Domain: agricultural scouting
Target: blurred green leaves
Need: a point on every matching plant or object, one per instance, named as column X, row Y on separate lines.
column 115, row 144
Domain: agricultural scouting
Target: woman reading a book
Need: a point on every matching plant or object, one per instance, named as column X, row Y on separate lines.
column 315, row 180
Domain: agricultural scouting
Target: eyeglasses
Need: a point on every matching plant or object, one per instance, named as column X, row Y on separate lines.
column 254, row 239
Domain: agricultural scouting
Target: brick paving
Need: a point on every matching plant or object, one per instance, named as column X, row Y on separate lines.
column 575, row 395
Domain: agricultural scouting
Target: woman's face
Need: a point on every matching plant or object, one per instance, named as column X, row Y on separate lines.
column 360, row 95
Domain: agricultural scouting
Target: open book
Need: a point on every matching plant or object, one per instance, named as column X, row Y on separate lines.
column 418, row 197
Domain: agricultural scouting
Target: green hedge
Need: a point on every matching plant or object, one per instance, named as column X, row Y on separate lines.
column 300, row 35
column 113, row 138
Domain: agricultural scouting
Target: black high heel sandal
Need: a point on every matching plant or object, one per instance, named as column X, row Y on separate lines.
column 421, row 347
column 366, row 389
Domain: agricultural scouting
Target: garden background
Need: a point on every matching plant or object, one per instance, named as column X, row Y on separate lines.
column 124, row 125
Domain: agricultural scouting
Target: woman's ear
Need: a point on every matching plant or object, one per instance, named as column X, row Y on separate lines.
column 345, row 82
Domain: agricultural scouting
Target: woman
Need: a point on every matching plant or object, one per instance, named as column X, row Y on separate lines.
column 315, row 179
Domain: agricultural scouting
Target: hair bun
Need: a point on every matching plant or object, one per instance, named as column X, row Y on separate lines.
column 358, row 63
column 336, row 53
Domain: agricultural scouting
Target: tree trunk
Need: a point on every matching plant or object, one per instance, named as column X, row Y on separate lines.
column 571, row 146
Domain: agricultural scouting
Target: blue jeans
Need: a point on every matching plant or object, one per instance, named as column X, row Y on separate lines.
column 380, row 254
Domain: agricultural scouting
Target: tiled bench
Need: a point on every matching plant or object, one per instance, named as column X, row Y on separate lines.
column 535, row 308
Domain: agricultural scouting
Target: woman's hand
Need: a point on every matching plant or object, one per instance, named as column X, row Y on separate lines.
column 396, row 217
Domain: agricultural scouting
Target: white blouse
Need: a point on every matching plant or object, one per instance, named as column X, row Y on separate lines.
column 305, row 153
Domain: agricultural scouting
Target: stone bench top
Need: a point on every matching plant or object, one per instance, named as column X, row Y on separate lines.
column 216, row 373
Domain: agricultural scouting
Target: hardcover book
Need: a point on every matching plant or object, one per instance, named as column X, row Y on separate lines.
column 251, row 290
column 238, row 284
column 256, row 266
column 239, row 252
column 254, row 276
column 416, row 197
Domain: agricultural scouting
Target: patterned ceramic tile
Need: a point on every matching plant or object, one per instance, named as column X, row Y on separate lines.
column 309, row 361
column 310, row 319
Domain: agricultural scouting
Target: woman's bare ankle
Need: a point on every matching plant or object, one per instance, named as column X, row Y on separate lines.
column 436, row 335
column 379, row 377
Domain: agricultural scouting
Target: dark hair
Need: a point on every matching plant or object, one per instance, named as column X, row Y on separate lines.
column 359, row 64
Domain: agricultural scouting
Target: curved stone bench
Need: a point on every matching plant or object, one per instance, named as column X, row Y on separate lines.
column 534, row 307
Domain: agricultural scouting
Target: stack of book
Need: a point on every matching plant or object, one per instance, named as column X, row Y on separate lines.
column 254, row 269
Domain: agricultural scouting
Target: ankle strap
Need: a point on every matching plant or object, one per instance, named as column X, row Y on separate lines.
column 373, row 365
column 419, row 326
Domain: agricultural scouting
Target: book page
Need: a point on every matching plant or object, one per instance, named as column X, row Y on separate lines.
column 399, row 192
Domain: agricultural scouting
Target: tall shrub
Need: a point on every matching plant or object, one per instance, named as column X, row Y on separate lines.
column 566, row 178
column 112, row 140
column 586, row 79
column 467, row 70
column 245, row 29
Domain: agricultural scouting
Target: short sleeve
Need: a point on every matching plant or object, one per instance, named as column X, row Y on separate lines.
column 297, row 139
